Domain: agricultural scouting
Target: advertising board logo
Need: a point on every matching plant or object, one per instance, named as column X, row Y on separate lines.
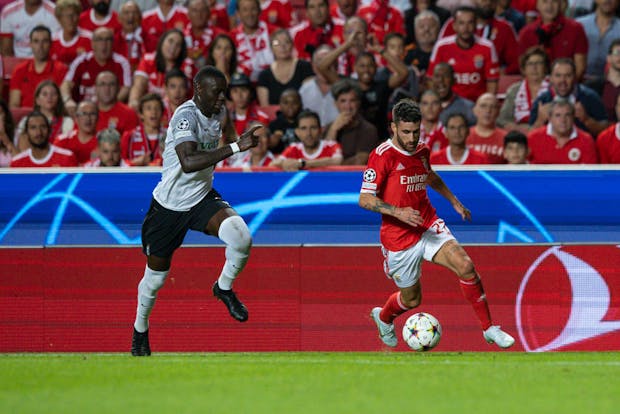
column 564, row 300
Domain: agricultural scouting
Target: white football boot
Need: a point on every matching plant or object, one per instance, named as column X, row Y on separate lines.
column 386, row 330
column 499, row 337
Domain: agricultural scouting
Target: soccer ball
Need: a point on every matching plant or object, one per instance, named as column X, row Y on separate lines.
column 422, row 332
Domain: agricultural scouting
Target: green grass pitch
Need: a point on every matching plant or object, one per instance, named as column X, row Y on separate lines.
column 311, row 382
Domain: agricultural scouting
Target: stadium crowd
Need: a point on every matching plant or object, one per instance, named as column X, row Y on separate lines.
column 93, row 83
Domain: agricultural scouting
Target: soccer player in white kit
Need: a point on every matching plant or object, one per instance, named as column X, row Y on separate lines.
column 185, row 199
column 394, row 184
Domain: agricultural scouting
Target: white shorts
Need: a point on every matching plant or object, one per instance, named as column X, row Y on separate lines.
column 403, row 267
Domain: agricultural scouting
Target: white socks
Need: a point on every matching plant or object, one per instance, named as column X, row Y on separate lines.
column 235, row 233
column 147, row 292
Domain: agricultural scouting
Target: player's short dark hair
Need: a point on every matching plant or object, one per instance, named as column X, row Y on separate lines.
column 40, row 28
column 175, row 73
column 306, row 113
column 406, row 110
column 150, row 97
column 465, row 9
column 456, row 115
column 346, row 85
column 207, row 72
column 516, row 137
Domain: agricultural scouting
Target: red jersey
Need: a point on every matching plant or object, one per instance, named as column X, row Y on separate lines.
column 580, row 149
column 399, row 178
column 66, row 52
column 120, row 117
column 503, row 36
column 89, row 23
column 253, row 50
column 135, row 143
column 198, row 46
column 435, row 139
column 26, row 80
column 148, row 69
column 84, row 151
column 382, row 19
column 491, row 146
column 608, row 145
column 154, row 24
column 85, row 68
column 567, row 37
column 307, row 38
column 246, row 161
column 327, row 149
column 470, row 157
column 56, row 157
column 472, row 67
column 219, row 17
column 278, row 13
column 252, row 114
column 130, row 45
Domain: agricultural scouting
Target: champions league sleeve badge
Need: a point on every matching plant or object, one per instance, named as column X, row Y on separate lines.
column 370, row 175
column 183, row 124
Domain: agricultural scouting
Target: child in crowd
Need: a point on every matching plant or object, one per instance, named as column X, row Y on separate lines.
column 516, row 149
column 143, row 145
column 283, row 127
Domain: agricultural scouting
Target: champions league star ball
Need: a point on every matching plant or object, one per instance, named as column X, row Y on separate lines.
column 422, row 332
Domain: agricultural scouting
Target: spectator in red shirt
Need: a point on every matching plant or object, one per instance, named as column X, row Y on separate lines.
column 252, row 39
column 432, row 132
column 277, row 13
column 128, row 41
column 516, row 150
column 244, row 108
column 560, row 142
column 176, row 87
column 341, row 10
column 112, row 113
column 316, row 30
column 200, row 33
column 485, row 136
column 27, row 75
column 99, row 15
column 150, row 76
column 219, row 15
column 608, row 141
column 559, row 35
column 457, row 152
column 47, row 101
column 40, row 152
column 382, row 19
column 70, row 41
column 311, row 151
column 473, row 59
column 155, row 22
column 82, row 140
column 79, row 83
column 143, row 145
column 498, row 31
column 258, row 156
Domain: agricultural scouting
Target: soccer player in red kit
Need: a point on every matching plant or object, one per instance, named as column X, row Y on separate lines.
column 394, row 185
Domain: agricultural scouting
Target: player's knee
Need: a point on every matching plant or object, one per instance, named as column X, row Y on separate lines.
column 412, row 300
column 155, row 279
column 236, row 234
column 465, row 268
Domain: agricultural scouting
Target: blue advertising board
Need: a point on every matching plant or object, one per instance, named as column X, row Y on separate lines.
column 77, row 207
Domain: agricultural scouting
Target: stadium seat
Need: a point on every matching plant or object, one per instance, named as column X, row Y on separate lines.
column 271, row 111
column 504, row 83
column 19, row 113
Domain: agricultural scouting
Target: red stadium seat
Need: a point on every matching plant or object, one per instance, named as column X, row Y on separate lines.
column 19, row 113
column 504, row 83
column 270, row 110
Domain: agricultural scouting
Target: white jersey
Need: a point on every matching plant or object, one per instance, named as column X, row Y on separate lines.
column 177, row 190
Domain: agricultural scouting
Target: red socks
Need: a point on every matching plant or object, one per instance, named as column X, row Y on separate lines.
column 392, row 308
column 474, row 293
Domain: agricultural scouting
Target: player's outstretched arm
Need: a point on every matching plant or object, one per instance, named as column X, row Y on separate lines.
column 437, row 184
column 193, row 160
column 405, row 214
